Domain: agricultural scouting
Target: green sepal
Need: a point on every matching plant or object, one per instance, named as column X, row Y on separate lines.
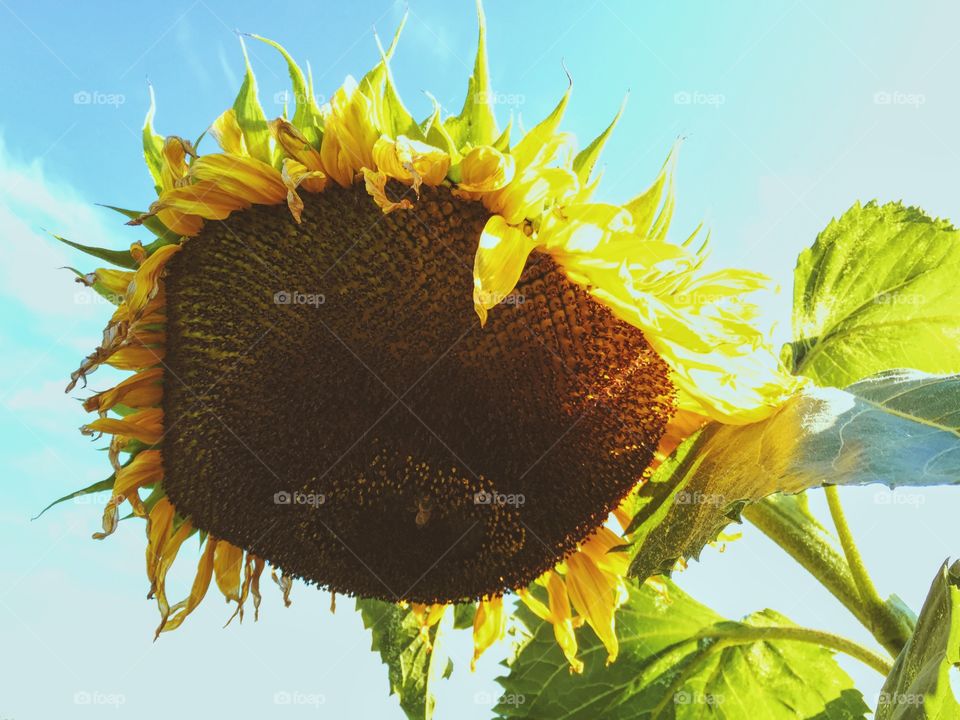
column 97, row 287
column 153, row 144
column 585, row 160
column 531, row 143
column 151, row 223
column 476, row 124
column 120, row 258
column 653, row 209
column 306, row 115
column 249, row 112
column 99, row 486
column 463, row 615
column 394, row 118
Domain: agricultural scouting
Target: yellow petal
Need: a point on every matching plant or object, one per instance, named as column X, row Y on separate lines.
column 296, row 146
column 376, row 183
column 145, row 426
column 145, row 283
column 349, row 134
column 159, row 531
column 485, row 169
column 244, row 177
column 168, row 554
column 200, row 584
column 293, row 174
column 135, row 357
column 141, row 390
column 526, row 196
column 561, row 619
column 595, row 597
column 501, row 256
column 179, row 222
column 174, row 155
column 489, row 625
column 226, row 131
column 227, row 562
column 410, row 161
column 145, row 468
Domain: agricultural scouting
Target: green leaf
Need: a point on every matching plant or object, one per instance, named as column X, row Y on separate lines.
column 120, row 258
column 411, row 664
column 100, row 486
column 250, row 117
column 670, row 661
column 878, row 290
column 476, row 124
column 898, row 428
column 919, row 686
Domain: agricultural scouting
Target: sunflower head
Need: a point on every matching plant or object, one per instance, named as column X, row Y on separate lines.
column 403, row 359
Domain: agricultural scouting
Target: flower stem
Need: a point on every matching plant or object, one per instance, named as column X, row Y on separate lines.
column 868, row 592
column 810, row 545
column 740, row 634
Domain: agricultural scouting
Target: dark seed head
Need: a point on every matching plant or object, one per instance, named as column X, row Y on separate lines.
column 333, row 405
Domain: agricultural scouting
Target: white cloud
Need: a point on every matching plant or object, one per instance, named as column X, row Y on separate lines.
column 30, row 259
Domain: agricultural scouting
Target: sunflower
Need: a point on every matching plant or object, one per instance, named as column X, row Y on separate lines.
column 407, row 360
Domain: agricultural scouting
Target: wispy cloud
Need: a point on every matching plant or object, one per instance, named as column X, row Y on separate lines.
column 30, row 259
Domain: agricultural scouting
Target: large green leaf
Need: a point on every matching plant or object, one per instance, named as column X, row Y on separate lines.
column 919, row 686
column 898, row 428
column 877, row 290
column 672, row 661
column 411, row 662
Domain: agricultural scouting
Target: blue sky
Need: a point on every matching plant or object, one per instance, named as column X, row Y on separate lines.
column 790, row 110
